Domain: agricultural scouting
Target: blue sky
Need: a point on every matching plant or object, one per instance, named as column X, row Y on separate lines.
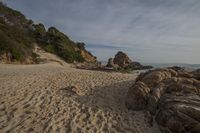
column 164, row 31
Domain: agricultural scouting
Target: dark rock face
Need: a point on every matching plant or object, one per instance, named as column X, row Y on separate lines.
column 111, row 63
column 121, row 60
column 137, row 96
column 179, row 114
column 172, row 95
column 196, row 74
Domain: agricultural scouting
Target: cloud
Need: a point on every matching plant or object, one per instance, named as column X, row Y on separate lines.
column 149, row 30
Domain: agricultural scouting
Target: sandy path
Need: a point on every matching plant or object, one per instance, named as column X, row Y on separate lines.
column 40, row 98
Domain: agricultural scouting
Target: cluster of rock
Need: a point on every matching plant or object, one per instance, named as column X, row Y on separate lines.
column 121, row 60
column 172, row 95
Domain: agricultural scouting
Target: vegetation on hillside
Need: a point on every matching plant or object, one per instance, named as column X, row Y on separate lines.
column 14, row 37
column 18, row 36
column 58, row 43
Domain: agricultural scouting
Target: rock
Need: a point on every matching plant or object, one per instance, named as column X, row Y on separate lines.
column 149, row 118
column 87, row 56
column 137, row 96
column 177, row 68
column 84, row 53
column 155, row 98
column 139, row 66
column 153, row 78
column 111, row 63
column 173, row 93
column 180, row 114
column 122, row 61
column 196, row 74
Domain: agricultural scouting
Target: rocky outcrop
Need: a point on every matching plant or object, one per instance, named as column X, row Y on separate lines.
column 172, row 95
column 137, row 95
column 196, row 74
column 88, row 57
column 179, row 113
column 111, row 63
column 121, row 60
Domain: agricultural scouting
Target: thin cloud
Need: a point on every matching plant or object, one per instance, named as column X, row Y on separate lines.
column 149, row 30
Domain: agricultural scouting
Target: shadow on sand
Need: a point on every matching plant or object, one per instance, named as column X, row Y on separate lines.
column 111, row 97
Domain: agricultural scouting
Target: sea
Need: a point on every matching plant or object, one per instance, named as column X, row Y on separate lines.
column 189, row 67
column 184, row 65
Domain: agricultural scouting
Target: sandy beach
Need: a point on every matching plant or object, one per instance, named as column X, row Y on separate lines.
column 54, row 98
column 99, row 66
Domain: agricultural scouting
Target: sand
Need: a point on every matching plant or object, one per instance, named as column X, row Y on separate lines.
column 57, row 98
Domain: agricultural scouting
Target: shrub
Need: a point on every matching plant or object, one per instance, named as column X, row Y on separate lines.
column 16, row 54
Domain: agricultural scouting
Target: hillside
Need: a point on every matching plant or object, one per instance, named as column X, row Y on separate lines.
column 19, row 35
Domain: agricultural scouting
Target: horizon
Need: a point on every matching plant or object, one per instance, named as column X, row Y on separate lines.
column 155, row 31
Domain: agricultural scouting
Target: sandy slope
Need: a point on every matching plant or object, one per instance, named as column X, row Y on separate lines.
column 48, row 57
column 41, row 98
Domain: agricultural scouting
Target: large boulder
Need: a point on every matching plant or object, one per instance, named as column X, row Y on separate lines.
column 172, row 95
column 121, row 60
column 179, row 113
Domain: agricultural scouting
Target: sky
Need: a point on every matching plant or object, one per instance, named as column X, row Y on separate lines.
column 156, row 31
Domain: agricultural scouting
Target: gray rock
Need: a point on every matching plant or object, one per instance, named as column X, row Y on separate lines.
column 172, row 95
column 121, row 60
column 137, row 96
